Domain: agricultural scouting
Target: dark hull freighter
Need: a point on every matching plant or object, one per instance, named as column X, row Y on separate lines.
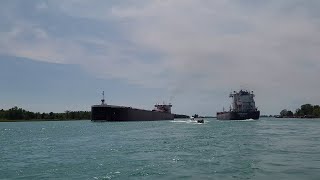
column 243, row 107
column 106, row 112
column 238, row 115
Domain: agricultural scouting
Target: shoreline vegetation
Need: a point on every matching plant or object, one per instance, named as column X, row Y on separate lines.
column 17, row 114
column 40, row 120
column 305, row 111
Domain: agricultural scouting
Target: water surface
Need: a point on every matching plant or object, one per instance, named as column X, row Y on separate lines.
column 180, row 149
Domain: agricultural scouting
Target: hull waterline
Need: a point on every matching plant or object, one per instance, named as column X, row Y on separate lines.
column 238, row 115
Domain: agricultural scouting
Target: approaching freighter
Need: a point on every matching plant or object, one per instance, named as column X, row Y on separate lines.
column 243, row 107
column 104, row 112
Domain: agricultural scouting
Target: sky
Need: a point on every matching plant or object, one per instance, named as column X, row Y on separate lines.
column 60, row 55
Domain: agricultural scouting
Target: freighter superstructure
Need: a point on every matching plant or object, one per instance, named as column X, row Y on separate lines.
column 243, row 107
column 104, row 112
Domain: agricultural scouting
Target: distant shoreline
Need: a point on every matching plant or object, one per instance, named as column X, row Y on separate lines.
column 297, row 117
column 41, row 120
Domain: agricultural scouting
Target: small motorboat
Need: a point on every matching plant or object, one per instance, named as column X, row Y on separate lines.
column 200, row 121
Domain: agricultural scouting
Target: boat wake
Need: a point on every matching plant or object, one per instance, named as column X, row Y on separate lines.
column 179, row 121
column 246, row 120
column 188, row 121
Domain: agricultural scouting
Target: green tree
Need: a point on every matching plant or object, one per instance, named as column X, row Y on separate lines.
column 283, row 113
column 307, row 109
column 298, row 112
column 316, row 111
column 289, row 114
column 51, row 115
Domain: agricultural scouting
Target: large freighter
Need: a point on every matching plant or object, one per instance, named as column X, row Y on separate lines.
column 243, row 107
column 104, row 112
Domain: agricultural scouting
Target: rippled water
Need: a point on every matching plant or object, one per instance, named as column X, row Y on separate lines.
column 180, row 149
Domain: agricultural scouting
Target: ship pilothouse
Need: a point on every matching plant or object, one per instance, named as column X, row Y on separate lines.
column 163, row 108
column 242, row 107
column 243, row 101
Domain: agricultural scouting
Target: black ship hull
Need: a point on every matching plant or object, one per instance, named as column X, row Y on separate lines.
column 119, row 113
column 238, row 115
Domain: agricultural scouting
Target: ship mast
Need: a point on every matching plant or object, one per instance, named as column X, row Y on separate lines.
column 102, row 100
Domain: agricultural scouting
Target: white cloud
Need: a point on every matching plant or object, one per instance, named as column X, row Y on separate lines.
column 199, row 46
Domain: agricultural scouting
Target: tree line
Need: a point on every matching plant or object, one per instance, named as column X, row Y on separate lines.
column 306, row 110
column 16, row 113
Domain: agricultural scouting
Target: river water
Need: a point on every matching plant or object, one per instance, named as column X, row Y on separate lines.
column 179, row 149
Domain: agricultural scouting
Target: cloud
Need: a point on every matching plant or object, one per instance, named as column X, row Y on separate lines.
column 184, row 46
column 230, row 44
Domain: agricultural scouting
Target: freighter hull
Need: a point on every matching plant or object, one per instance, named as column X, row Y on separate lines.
column 119, row 113
column 238, row 115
